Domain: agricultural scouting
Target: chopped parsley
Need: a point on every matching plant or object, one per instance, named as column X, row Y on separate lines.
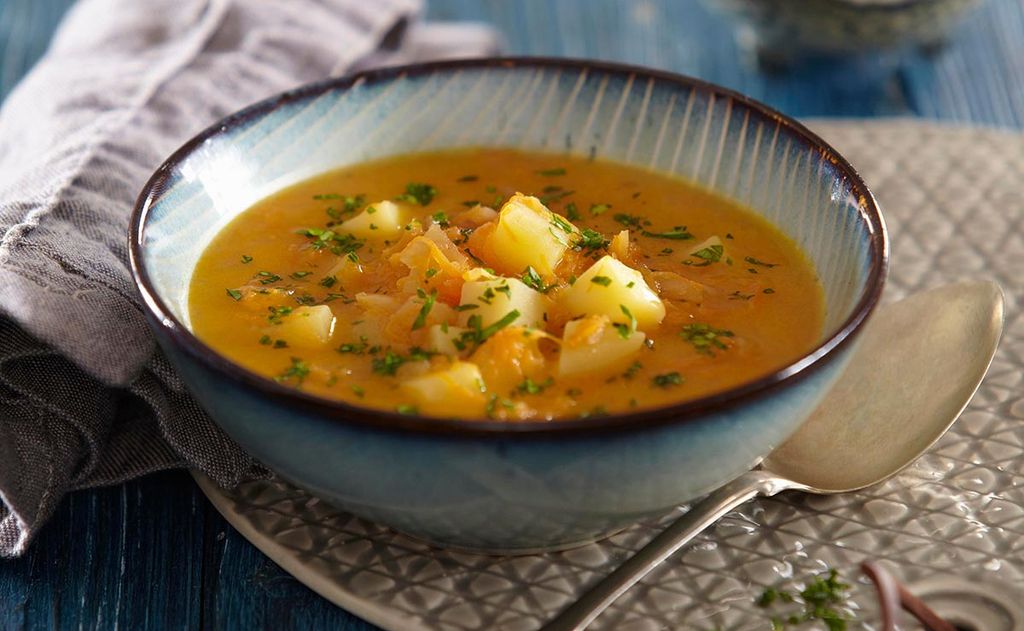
column 561, row 224
column 628, row 329
column 277, row 314
column 428, row 304
column 389, row 364
column 736, row 295
column 572, row 212
column 554, row 196
column 408, row 410
column 235, row 294
column 821, row 600
column 634, row 368
column 298, row 275
column 705, row 338
column 677, row 234
column 337, row 243
column 440, row 218
column 478, row 334
column 753, row 261
column 533, row 280
column 328, row 281
column 470, row 203
column 667, row 380
column 591, row 240
column 246, row 259
column 529, row 386
column 710, row 254
column 599, row 209
column 551, row 172
column 468, row 178
column 265, row 340
column 631, row 221
column 418, row 192
column 768, row 290
column 280, row 344
column 359, row 392
column 267, row 278
column 298, row 372
column 355, row 349
column 604, row 281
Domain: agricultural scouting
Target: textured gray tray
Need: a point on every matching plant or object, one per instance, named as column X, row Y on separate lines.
column 952, row 524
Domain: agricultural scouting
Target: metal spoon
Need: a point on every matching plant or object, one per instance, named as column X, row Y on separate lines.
column 918, row 364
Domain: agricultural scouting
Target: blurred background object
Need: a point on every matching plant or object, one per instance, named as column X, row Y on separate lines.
column 779, row 32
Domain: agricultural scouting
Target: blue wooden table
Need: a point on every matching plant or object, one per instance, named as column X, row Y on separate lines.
column 153, row 554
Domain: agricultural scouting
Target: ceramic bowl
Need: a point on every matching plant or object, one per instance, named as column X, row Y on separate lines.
column 781, row 30
column 492, row 486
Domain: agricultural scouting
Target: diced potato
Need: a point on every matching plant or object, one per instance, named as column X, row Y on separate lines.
column 592, row 344
column 496, row 297
column 606, row 287
column 528, row 234
column 380, row 220
column 441, row 339
column 307, row 326
column 452, row 390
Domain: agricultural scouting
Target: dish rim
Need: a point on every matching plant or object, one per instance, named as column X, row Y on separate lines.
column 822, row 354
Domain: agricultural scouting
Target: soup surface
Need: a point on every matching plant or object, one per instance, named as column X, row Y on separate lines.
column 505, row 285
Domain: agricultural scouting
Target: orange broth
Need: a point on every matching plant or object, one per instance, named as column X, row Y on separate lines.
column 743, row 304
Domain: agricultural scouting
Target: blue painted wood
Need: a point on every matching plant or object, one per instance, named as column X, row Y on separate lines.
column 152, row 554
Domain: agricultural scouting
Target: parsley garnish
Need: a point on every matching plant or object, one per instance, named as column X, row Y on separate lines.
column 821, row 599
column 328, row 281
column 736, row 295
column 634, row 368
column 389, row 364
column 604, row 281
column 359, row 392
column 710, row 254
column 630, row 221
column 265, row 340
column 337, row 243
column 571, row 212
column 551, row 172
column 267, row 278
column 468, row 178
column 298, row 275
column 591, row 240
column 408, row 410
column 428, row 304
column 599, row 209
column 753, row 261
column 529, row 386
column 477, row 334
column 440, row 218
column 419, row 193
column 768, row 290
column 298, row 371
column 667, row 380
column 533, row 280
column 561, row 224
column 554, row 196
column 277, row 314
column 246, row 259
column 677, row 234
column 626, row 330
column 705, row 337
column 235, row 294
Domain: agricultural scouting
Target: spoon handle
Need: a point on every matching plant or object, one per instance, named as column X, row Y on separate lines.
column 581, row 613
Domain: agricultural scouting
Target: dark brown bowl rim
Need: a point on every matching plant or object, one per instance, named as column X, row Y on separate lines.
column 295, row 399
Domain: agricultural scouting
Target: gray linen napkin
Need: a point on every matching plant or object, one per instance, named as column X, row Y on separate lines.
column 85, row 397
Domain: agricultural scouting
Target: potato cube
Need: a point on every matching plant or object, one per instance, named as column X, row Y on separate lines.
column 456, row 389
column 593, row 344
column 528, row 235
column 441, row 338
column 608, row 286
column 492, row 298
column 306, row 326
column 380, row 220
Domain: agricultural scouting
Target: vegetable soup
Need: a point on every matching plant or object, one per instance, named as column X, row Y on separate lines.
column 486, row 283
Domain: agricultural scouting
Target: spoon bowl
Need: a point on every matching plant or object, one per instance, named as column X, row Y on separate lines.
column 919, row 363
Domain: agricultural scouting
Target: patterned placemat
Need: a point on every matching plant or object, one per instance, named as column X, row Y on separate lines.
column 953, row 523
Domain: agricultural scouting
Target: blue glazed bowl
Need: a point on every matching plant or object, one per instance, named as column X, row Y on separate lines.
column 484, row 485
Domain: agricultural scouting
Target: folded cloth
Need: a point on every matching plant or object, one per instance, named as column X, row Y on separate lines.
column 86, row 399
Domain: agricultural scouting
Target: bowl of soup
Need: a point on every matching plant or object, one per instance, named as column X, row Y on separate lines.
column 508, row 305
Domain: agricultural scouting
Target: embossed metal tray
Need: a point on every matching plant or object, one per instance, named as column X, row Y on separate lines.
column 952, row 524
